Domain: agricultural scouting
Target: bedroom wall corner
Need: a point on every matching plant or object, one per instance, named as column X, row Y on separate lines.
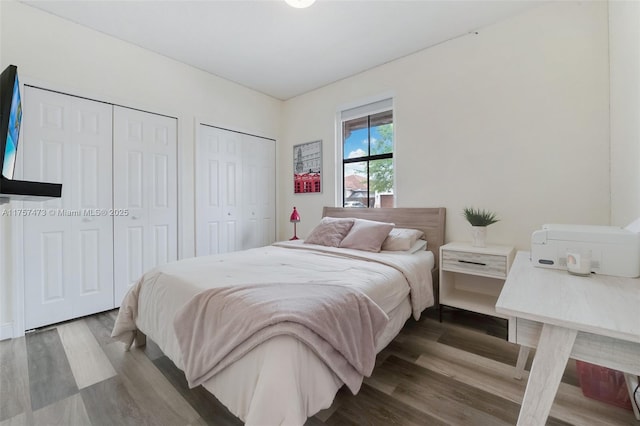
column 624, row 58
column 6, row 290
column 6, row 300
column 101, row 67
column 514, row 118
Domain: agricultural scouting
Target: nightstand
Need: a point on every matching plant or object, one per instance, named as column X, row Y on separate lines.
column 471, row 278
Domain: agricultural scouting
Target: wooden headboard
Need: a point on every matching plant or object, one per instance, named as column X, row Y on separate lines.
column 430, row 220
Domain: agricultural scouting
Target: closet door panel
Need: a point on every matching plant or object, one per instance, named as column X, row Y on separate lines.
column 258, row 191
column 145, row 187
column 129, row 196
column 251, row 229
column 93, row 229
column 68, row 253
column 46, row 148
column 218, row 185
column 268, row 191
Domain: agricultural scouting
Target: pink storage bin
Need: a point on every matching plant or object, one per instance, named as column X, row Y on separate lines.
column 603, row 384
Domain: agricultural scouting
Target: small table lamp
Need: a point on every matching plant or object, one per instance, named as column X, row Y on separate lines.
column 295, row 218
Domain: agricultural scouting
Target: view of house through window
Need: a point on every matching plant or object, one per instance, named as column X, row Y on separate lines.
column 367, row 163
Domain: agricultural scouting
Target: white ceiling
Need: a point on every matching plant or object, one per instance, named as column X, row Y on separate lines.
column 278, row 50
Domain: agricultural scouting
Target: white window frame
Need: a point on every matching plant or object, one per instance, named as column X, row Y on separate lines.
column 361, row 108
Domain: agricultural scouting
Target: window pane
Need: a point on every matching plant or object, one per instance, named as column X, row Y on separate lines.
column 381, row 182
column 355, row 184
column 356, row 142
column 368, row 142
column 382, row 133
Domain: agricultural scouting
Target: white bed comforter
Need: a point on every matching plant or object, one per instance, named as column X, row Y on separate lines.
column 281, row 381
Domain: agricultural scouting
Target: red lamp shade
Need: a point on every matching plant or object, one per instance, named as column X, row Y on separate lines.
column 295, row 218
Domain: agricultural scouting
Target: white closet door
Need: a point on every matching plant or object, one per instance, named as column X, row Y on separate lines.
column 145, row 187
column 218, row 184
column 258, row 189
column 68, row 247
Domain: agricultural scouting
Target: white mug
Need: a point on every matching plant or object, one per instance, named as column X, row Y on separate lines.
column 579, row 261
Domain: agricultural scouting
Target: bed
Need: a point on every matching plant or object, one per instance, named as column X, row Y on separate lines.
column 280, row 374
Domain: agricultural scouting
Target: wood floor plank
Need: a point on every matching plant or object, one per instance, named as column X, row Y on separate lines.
column 485, row 373
column 88, row 362
column 198, row 422
column 50, row 376
column 497, row 349
column 314, row 421
column 485, row 324
column 151, row 350
column 404, row 349
column 425, row 328
column 14, row 375
column 208, row 407
column 101, row 326
column 149, row 387
column 323, row 415
column 486, row 346
column 68, row 411
column 381, row 382
column 452, row 401
column 433, row 373
column 22, row 419
column 372, row 407
column 339, row 419
column 570, row 405
column 109, row 403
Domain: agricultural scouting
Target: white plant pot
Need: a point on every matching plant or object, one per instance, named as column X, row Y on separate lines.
column 479, row 236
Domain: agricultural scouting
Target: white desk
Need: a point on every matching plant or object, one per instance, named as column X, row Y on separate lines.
column 594, row 319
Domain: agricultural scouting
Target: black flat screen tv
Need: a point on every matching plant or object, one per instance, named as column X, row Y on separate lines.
column 10, row 122
column 11, row 107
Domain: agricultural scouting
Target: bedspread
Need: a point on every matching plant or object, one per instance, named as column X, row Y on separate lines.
column 280, row 381
column 341, row 325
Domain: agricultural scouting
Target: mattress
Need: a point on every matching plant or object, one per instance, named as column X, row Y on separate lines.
column 282, row 381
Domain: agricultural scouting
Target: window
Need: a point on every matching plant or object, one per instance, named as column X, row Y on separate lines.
column 367, row 156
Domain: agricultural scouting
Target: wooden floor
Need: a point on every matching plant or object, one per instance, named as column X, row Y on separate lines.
column 458, row 372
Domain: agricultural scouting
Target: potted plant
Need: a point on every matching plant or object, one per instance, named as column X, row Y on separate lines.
column 479, row 220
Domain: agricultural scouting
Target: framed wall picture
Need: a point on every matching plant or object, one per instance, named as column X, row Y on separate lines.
column 307, row 167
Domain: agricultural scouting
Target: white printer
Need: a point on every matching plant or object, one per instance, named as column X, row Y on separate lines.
column 614, row 250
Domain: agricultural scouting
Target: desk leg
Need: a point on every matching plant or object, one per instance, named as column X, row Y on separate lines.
column 632, row 382
column 548, row 365
column 523, row 356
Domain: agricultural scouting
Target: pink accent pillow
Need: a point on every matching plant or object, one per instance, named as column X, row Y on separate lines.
column 401, row 239
column 330, row 231
column 367, row 235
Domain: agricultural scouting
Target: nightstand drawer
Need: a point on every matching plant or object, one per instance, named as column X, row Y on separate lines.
column 474, row 263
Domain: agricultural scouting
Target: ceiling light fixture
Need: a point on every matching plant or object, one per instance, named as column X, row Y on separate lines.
column 300, row 4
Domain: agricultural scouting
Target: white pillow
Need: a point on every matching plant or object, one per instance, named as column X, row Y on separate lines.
column 367, row 235
column 401, row 239
column 418, row 246
column 330, row 231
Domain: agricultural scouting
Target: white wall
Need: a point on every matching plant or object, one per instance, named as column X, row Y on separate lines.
column 624, row 56
column 514, row 119
column 68, row 57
